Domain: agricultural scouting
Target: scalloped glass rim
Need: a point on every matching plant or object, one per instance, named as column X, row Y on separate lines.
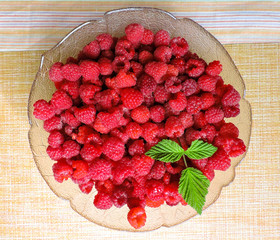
column 114, row 22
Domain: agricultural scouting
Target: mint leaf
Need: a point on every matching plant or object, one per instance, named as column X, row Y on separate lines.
column 166, row 151
column 193, row 186
column 200, row 150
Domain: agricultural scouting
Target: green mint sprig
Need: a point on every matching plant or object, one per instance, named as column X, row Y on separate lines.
column 193, row 185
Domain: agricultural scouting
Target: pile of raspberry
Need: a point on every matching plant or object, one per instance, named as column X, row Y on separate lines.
column 120, row 97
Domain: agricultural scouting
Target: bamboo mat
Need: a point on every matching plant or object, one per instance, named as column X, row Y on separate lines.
column 249, row 208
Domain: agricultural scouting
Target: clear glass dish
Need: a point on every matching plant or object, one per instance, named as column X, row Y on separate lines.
column 114, row 22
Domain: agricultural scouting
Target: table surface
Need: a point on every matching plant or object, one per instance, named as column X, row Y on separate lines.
column 249, row 208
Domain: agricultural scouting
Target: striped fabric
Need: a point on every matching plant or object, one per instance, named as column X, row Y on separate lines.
column 26, row 25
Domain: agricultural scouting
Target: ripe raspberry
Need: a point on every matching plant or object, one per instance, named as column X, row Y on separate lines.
column 191, row 135
column 55, row 153
column 85, row 114
column 172, row 84
column 214, row 68
column 173, row 168
column 156, row 70
column 145, row 57
column 161, row 95
column 163, row 54
column 55, row 73
column 179, row 63
column 119, row 197
column 173, row 127
column 195, row 67
column 171, row 195
column 207, row 83
column 87, row 92
column 178, row 102
column 154, row 204
column 199, row 120
column 105, row 122
column 131, row 98
column 194, row 104
column 147, row 85
column 231, row 97
column 53, row 123
column 61, row 171
column 179, row 46
column 214, row 115
column 92, row 50
column 72, row 88
column 69, row 118
column 102, row 201
column 125, row 80
column 134, row 32
column 84, row 134
column 70, row 149
column 208, row 100
column 86, row 187
column 122, row 171
column 61, row 100
column 133, row 130
column 208, row 133
column 120, row 63
column 137, row 147
column 80, row 169
column 190, row 87
column 170, row 111
column 107, row 54
column 230, row 130
column 90, row 70
column 105, row 41
column 157, row 113
column 231, row 111
column 105, row 66
column 100, row 169
column 136, row 67
column 154, row 189
column 106, row 186
column 199, row 164
column 106, row 99
column 148, row 37
column 161, row 38
column 71, row 72
column 43, row 110
column 208, row 172
column 90, row 151
column 142, row 164
column 120, row 133
column 140, row 114
column 133, row 202
column 137, row 217
column 125, row 48
column 157, row 171
column 219, row 161
column 186, row 119
column 113, row 148
column 150, row 131
column 233, row 146
column 55, row 139
column 172, row 70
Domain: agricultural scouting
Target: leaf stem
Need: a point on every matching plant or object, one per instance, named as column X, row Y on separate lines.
column 184, row 158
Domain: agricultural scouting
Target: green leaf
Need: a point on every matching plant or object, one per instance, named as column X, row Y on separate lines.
column 200, row 150
column 193, row 186
column 166, row 151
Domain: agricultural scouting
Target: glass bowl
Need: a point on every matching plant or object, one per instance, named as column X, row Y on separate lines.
column 114, row 22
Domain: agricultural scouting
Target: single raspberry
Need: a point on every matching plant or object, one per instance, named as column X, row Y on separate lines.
column 172, row 84
column 186, row 119
column 68, row 130
column 119, row 197
column 231, row 111
column 55, row 73
column 147, row 85
column 106, row 186
column 105, row 66
column 125, row 48
column 137, row 217
column 231, row 97
column 214, row 115
column 72, row 88
column 61, row 100
column 207, row 83
column 87, row 92
column 173, row 127
column 163, row 54
column 161, row 38
column 86, row 187
column 105, row 41
column 148, row 37
column 102, row 201
column 191, row 135
column 150, row 131
column 92, row 50
column 55, row 139
column 53, row 123
column 156, row 70
column 179, row 63
column 157, row 113
column 55, row 153
column 230, row 130
column 169, row 111
column 85, row 114
column 62, row 171
column 133, row 130
column 199, row 120
column 113, row 148
column 105, row 122
column 90, row 151
column 208, row 172
column 86, row 134
column 199, row 164
column 154, row 189
column 173, row 168
column 136, row 67
column 140, row 114
column 171, row 195
column 172, row 70
column 234, row 147
column 90, row 70
column 71, row 72
column 100, row 169
column 214, row 68
column 43, row 110
column 208, row 100
column 145, row 57
column 178, row 102
column 80, row 169
column 219, row 161
column 122, row 171
column 69, row 118
column 131, row 98
column 190, row 87
column 142, row 164
column 208, row 133
column 134, row 32
column 106, row 99
column 179, row 46
column 70, row 149
column 161, row 95
column 194, row 104
column 137, row 147
column 154, row 204
column 125, row 80
column 157, row 171
column 139, row 190
column 195, row 67
column 120, row 63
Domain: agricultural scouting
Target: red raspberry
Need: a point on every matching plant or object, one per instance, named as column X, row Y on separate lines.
column 150, row 131
column 191, row 135
column 119, row 197
column 137, row 68
column 172, row 70
column 178, row 102
column 90, row 70
column 172, row 84
column 131, row 98
column 208, row 172
column 125, row 48
column 231, row 111
column 120, row 133
column 189, row 87
column 134, row 32
column 107, row 54
column 69, row 118
column 170, row 111
column 173, row 127
column 133, row 130
column 55, row 139
column 207, row 83
column 219, row 161
column 87, row 92
column 122, row 171
column 92, row 50
column 142, row 164
column 179, row 63
column 137, row 217
column 156, row 70
column 173, row 168
column 148, row 37
column 106, row 186
column 166, row 178
column 105, row 66
column 231, row 97
column 105, row 41
column 105, row 122
column 124, row 80
column 179, row 46
column 199, row 120
column 134, row 202
column 200, row 164
column 120, row 62
column 194, row 104
column 137, row 147
column 85, row 114
column 71, row 72
column 55, row 73
column 145, row 57
column 72, row 88
column 233, row 146
column 157, row 171
column 186, row 119
column 106, row 99
column 147, row 85
column 90, row 151
column 163, row 54
column 62, row 171
column 80, row 169
column 230, row 130
column 86, row 187
column 208, row 100
column 214, row 115
column 157, row 113
column 61, row 100
column 149, row 101
column 161, row 95
column 154, row 189
column 70, row 149
column 53, row 123
column 100, row 169
column 140, row 114
column 171, row 195
column 113, row 148
column 208, row 133
column 55, row 153
column 162, row 38
column 154, row 204
column 85, row 133
column 195, row 67
column 43, row 110
column 102, row 201
column 214, row 68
